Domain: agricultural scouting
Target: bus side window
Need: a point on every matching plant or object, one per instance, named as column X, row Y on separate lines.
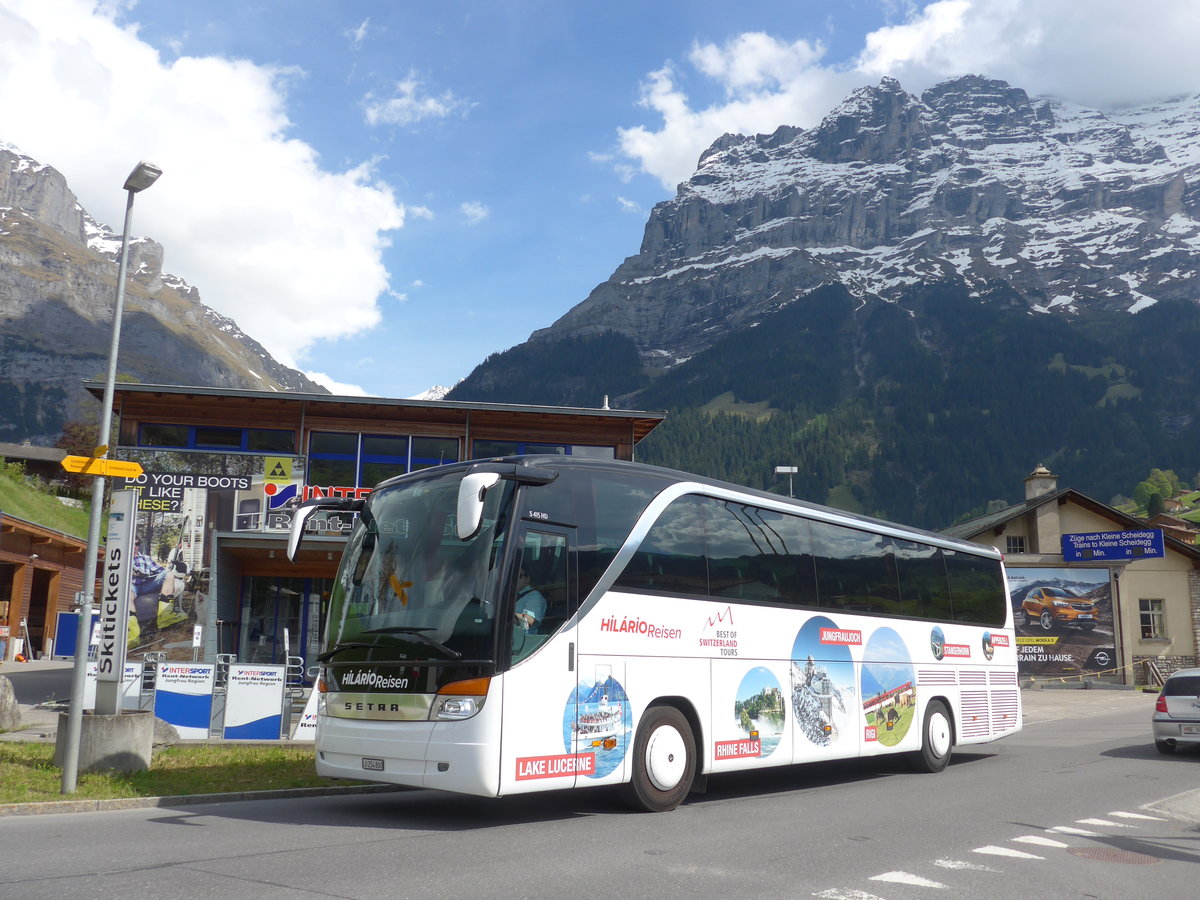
column 671, row 557
column 977, row 591
column 854, row 570
column 924, row 588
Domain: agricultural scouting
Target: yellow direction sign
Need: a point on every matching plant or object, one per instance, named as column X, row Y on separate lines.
column 89, row 465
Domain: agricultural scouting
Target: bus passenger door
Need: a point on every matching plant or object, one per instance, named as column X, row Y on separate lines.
column 540, row 685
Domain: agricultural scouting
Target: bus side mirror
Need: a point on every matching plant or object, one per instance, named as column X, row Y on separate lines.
column 299, row 517
column 471, row 491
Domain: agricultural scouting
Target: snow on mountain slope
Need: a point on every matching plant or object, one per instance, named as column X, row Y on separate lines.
column 1072, row 209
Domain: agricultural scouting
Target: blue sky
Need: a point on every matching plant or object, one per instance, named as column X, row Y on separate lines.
column 383, row 193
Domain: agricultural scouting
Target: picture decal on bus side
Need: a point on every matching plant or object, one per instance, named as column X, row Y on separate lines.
column 941, row 650
column 597, row 720
column 889, row 688
column 822, row 673
column 759, row 714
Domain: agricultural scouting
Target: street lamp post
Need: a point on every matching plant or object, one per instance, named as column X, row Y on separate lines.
column 143, row 175
column 789, row 471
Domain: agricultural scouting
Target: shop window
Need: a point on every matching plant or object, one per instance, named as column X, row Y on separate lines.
column 270, row 440
column 219, row 438
column 331, row 442
column 1153, row 620
column 428, row 451
column 153, row 435
column 487, row 449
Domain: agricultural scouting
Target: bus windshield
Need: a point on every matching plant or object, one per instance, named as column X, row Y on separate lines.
column 408, row 586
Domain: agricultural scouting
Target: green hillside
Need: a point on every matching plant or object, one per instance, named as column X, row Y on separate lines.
column 33, row 503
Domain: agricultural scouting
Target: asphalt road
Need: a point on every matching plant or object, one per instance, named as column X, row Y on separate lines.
column 1079, row 804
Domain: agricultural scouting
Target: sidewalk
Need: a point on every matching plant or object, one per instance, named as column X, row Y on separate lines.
column 39, row 719
column 1048, row 704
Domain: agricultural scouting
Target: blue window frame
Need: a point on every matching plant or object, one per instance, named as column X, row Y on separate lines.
column 216, row 438
column 348, row 459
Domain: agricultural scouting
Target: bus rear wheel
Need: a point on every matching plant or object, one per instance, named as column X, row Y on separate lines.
column 664, row 761
column 937, row 739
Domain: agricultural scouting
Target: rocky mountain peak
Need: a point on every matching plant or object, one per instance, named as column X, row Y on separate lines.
column 1070, row 210
column 872, row 124
column 977, row 112
column 41, row 191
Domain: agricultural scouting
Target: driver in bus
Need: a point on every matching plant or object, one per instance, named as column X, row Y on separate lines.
column 531, row 605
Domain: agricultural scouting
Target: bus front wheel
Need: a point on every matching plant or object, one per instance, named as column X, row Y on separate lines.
column 937, row 739
column 664, row 761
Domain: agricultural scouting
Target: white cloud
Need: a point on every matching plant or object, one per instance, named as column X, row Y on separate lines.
column 338, row 387
column 475, row 212
column 1100, row 53
column 359, row 34
column 245, row 213
column 411, row 104
column 629, row 206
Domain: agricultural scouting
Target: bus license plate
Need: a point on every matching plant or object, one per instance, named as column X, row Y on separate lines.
column 373, row 764
column 1189, row 729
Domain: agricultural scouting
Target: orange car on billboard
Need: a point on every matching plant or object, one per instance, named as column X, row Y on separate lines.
column 1048, row 607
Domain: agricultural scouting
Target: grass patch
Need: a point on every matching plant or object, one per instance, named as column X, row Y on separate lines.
column 28, row 773
column 729, row 404
column 25, row 501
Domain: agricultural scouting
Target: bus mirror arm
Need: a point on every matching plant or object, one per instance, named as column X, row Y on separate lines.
column 304, row 512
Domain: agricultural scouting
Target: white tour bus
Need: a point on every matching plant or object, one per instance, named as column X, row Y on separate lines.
column 542, row 622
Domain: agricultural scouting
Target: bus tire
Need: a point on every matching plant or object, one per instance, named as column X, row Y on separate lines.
column 664, row 761
column 937, row 739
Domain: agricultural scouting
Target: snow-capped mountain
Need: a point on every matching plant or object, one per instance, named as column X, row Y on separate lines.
column 912, row 303
column 1074, row 209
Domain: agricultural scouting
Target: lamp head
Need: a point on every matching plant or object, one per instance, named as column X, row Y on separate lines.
column 143, row 175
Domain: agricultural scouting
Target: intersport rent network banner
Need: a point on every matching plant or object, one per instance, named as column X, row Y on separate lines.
column 254, row 704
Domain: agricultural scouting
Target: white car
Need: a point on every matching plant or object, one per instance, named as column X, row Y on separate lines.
column 1177, row 711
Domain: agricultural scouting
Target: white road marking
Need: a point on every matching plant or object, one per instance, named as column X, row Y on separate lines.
column 1104, row 822
column 1040, row 841
column 964, row 865
column 1070, row 829
column 1129, row 815
column 1006, row 851
column 838, row 894
column 907, row 878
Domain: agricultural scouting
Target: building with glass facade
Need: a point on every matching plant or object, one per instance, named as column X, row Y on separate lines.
column 223, row 469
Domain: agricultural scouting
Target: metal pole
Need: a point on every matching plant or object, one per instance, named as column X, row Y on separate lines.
column 83, row 638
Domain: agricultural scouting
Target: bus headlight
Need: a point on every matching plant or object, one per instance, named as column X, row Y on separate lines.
column 460, row 699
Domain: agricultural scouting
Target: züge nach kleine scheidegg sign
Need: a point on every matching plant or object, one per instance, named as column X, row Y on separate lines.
column 1113, row 545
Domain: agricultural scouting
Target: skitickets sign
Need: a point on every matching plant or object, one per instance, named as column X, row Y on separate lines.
column 1113, row 545
column 114, row 602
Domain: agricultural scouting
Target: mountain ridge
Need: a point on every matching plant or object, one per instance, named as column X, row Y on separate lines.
column 57, row 282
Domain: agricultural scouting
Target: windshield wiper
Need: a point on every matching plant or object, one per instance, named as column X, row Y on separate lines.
column 419, row 634
column 330, row 654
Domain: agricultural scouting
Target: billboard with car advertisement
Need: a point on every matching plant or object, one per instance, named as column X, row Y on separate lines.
column 1064, row 621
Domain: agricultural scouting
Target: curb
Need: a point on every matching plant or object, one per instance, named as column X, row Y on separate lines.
column 79, row 806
